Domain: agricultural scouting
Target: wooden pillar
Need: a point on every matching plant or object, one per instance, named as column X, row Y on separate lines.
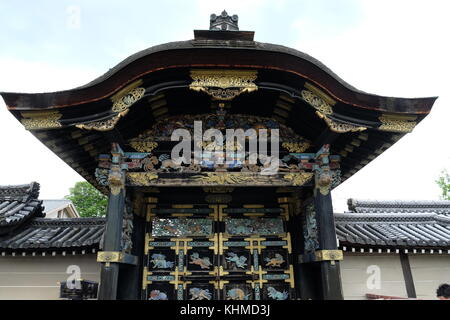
column 407, row 275
column 331, row 288
column 109, row 275
column 320, row 257
column 130, row 280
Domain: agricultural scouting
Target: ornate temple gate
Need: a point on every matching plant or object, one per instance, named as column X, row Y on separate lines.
column 172, row 232
column 220, row 234
column 228, row 252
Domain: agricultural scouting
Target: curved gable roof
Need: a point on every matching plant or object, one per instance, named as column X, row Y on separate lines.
column 217, row 53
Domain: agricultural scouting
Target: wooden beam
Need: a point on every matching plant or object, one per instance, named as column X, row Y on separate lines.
column 326, row 137
column 114, row 136
column 407, row 275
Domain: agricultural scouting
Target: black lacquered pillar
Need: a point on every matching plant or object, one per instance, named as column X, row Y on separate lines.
column 111, row 255
column 331, row 288
column 321, row 255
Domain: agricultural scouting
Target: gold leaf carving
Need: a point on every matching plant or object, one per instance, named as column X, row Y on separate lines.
column 297, row 147
column 102, row 125
column 223, row 84
column 340, row 127
column 317, row 102
column 223, row 178
column 141, row 178
column 397, row 123
column 41, row 120
column 143, row 146
column 299, row 179
column 124, row 102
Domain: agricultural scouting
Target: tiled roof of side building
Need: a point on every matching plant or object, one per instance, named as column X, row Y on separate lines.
column 397, row 206
column 56, row 234
column 408, row 224
column 18, row 204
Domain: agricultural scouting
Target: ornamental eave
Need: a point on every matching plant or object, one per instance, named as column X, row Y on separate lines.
column 136, row 67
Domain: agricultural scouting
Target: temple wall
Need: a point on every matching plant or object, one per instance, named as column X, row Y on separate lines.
column 429, row 271
column 358, row 275
column 30, row 278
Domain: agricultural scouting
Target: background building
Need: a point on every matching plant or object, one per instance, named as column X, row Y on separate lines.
column 61, row 208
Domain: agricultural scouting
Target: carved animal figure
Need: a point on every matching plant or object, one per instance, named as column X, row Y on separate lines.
column 159, row 261
column 239, row 261
column 237, row 294
column 199, row 294
column 148, row 164
column 169, row 229
column 204, row 263
column 277, row 295
column 277, row 261
column 167, row 163
column 270, row 164
column 157, row 295
column 116, row 177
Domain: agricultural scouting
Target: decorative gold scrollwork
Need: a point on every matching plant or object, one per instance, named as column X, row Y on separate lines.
column 141, row 178
column 317, row 102
column 323, row 105
column 340, row 127
column 142, row 145
column 41, row 120
column 296, row 146
column 223, row 178
column 223, row 84
column 397, row 123
column 127, row 100
column 103, row 125
column 299, row 179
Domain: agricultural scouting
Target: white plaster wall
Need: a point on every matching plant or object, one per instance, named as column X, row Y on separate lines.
column 32, row 278
column 428, row 272
column 354, row 275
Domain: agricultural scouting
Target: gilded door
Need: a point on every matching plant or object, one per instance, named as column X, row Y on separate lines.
column 218, row 252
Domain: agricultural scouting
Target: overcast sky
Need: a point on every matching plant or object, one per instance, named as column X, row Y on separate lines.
column 387, row 47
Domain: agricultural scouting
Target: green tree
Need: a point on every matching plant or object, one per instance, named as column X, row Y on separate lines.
column 89, row 201
column 444, row 183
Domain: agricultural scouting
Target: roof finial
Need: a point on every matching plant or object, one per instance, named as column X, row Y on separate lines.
column 224, row 22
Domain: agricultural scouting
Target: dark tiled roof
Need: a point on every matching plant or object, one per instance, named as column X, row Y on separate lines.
column 410, row 224
column 75, row 233
column 397, row 206
column 18, row 204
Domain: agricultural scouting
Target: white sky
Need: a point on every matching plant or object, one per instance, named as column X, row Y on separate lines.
column 393, row 48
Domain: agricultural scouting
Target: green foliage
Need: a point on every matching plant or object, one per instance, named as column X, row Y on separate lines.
column 444, row 183
column 89, row 201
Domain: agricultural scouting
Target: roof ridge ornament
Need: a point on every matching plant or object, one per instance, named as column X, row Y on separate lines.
column 20, row 192
column 224, row 22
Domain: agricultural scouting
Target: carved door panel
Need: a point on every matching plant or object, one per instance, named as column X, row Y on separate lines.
column 216, row 252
